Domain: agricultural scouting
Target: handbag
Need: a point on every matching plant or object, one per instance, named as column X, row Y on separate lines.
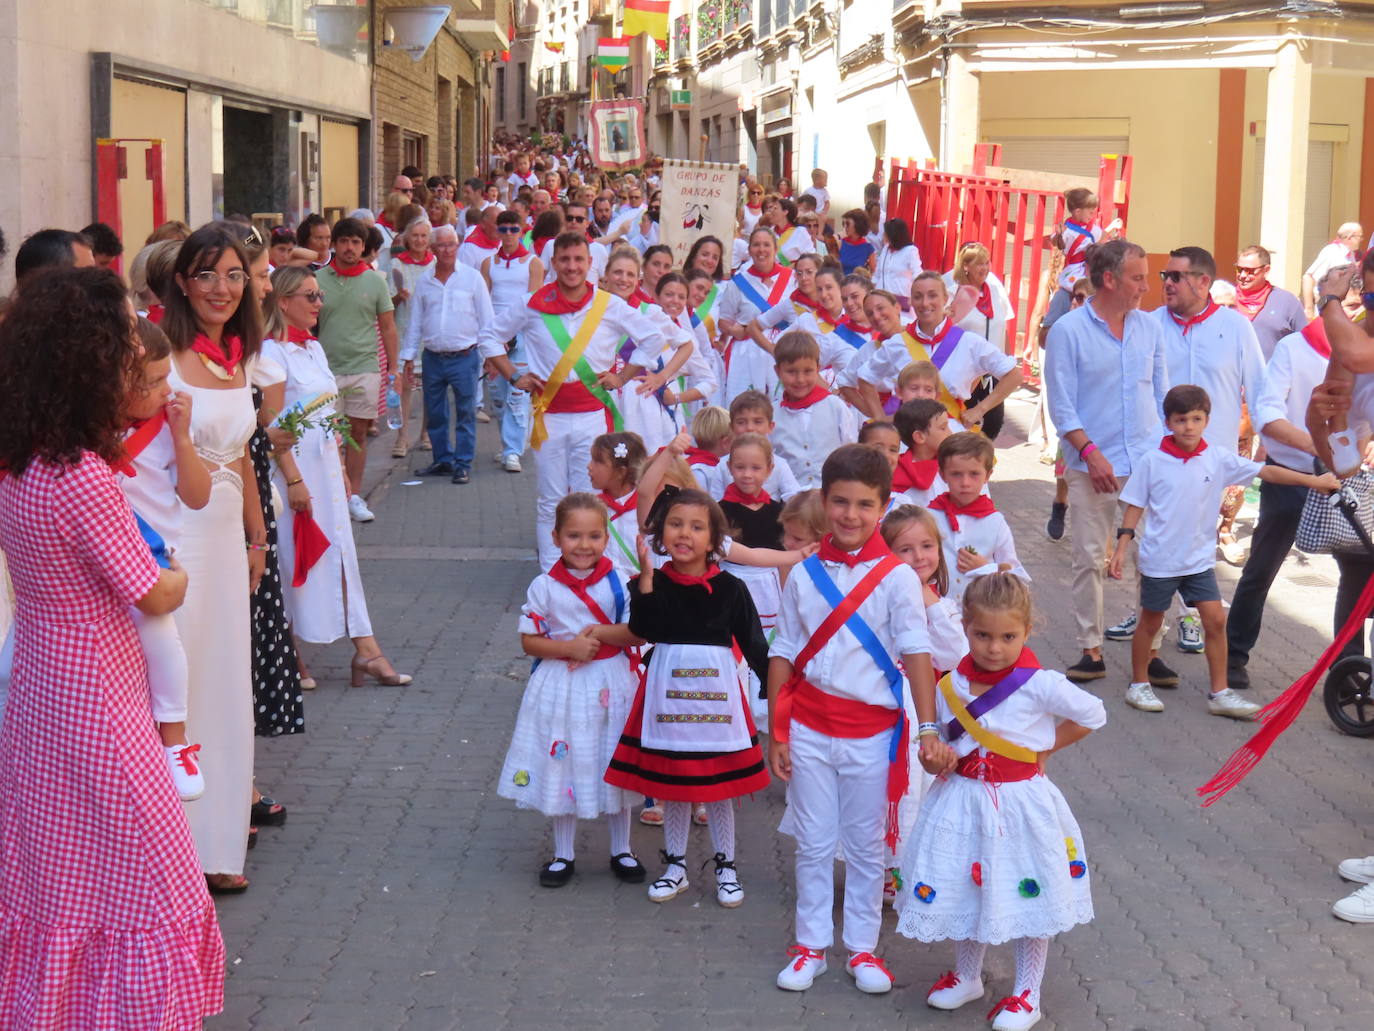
column 1325, row 527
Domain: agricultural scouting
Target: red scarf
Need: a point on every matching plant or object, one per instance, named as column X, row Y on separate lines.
column 203, row 345
column 984, row 302
column 684, row 580
column 1202, row 316
column 755, row 207
column 539, row 242
column 700, row 456
column 385, row 223
column 550, row 300
column 912, row 472
column 940, row 334
column 854, row 241
column 733, row 493
column 479, row 237
column 514, row 255
column 615, row 506
column 581, row 586
column 1168, row 446
column 807, row 302
column 1026, row 660
column 1252, row 302
column 297, row 336
column 758, row 273
column 857, row 327
column 406, row 258
column 348, row 273
column 310, row 546
column 817, row 395
column 156, row 312
column 978, row 508
column 874, row 548
column 1315, row 335
column 141, row 434
column 639, row 297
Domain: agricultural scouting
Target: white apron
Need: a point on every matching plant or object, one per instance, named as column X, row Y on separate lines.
column 694, row 700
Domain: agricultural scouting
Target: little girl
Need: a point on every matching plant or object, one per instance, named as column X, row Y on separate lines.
column 578, row 695
column 803, row 522
column 616, row 459
column 882, row 436
column 997, row 855
column 690, row 736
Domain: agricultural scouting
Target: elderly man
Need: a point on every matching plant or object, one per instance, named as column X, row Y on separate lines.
column 1106, row 375
column 403, row 184
column 1273, row 312
column 450, row 311
column 1340, row 251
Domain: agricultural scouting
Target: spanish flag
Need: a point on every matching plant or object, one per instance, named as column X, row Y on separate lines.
column 557, row 48
column 649, row 16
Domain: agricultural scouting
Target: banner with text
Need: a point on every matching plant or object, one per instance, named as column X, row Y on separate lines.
column 700, row 198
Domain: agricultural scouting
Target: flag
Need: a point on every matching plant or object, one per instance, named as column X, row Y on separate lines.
column 557, row 48
column 613, row 53
column 649, row 16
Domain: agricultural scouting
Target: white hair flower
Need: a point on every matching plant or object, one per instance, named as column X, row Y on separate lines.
column 621, row 451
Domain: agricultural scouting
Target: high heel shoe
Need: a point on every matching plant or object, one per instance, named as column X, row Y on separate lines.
column 364, row 669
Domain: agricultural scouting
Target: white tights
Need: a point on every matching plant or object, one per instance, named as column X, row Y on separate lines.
column 677, row 821
column 1031, row 954
column 565, row 834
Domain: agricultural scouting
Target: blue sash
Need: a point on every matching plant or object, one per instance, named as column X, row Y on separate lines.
column 850, row 336
column 752, row 295
column 154, row 541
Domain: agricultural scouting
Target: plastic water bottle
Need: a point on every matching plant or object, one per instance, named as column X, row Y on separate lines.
column 393, row 408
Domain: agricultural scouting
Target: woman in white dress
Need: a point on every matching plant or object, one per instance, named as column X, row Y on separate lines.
column 980, row 302
column 408, row 268
column 329, row 602
column 216, row 335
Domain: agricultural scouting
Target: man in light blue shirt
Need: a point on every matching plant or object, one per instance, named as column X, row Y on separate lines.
column 1106, row 376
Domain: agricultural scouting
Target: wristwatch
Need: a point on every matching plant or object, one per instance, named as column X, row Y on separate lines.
column 1322, row 301
column 1125, row 531
column 513, row 380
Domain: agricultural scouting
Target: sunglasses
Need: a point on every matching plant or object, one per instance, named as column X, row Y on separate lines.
column 1174, row 275
column 407, row 190
column 508, row 229
column 1245, row 270
column 313, row 296
column 576, row 218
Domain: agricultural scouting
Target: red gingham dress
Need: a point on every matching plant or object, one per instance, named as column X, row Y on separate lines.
column 105, row 922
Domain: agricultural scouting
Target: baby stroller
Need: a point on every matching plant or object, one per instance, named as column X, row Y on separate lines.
column 1349, row 690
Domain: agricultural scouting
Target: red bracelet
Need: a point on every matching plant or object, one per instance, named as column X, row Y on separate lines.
column 1086, row 450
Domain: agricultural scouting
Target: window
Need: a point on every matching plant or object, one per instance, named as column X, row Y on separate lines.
column 413, row 150
column 522, row 85
column 500, row 94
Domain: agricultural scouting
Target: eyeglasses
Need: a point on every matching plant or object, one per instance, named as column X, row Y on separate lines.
column 313, row 296
column 1245, row 270
column 508, row 229
column 576, row 218
column 209, row 279
column 1173, row 275
column 407, row 190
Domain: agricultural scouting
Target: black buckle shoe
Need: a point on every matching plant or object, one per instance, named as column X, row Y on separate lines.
column 551, row 878
column 629, row 874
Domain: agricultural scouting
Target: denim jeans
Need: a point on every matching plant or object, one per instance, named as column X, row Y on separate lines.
column 445, row 372
column 512, row 406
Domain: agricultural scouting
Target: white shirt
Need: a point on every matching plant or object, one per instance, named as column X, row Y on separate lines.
column 1113, row 390
column 795, row 241
column 152, row 493
column 1293, row 372
column 781, row 482
column 1030, row 716
column 842, row 668
column 1075, row 248
column 989, row 536
column 806, row 436
column 448, row 316
column 471, row 255
column 516, row 180
column 1333, row 254
column 835, row 353
column 510, row 280
column 822, row 196
column 895, row 270
column 749, row 217
column 750, row 367
column 993, row 330
column 552, row 610
column 1179, row 531
column 948, row 643
column 972, row 358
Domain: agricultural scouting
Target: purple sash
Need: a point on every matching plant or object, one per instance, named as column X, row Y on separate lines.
column 946, row 347
column 991, row 698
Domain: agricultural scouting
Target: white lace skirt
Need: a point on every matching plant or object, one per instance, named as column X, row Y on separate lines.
column 977, row 871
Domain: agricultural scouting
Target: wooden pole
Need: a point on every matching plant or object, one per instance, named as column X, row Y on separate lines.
column 701, row 150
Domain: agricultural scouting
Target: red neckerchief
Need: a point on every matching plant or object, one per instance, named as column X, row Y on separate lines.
column 733, row 493
column 757, row 273
column 616, row 506
column 940, row 334
column 817, row 395
column 514, row 255
column 874, row 548
column 156, row 312
column 1168, row 446
column 755, row 207
column 638, row 298
column 479, row 237
column 1252, row 302
column 978, row 508
column 684, row 580
column 407, row 258
column 1202, row 316
column 385, row 224
column 1026, row 660
column 581, row 587
column 141, row 434
column 539, row 243
column 854, row 241
column 700, row 456
column 297, row 336
column 216, row 352
column 550, row 300
column 984, row 302
column 1315, row 335
column 357, row 270
column 913, row 472
column 857, row 327
column 806, row 302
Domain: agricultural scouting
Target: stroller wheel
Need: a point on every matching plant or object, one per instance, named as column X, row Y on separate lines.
column 1349, row 696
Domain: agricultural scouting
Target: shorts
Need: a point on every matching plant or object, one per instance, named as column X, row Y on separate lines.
column 1157, row 592
column 1060, row 304
column 358, row 394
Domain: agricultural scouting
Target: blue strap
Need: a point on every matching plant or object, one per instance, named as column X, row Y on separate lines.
column 867, row 639
column 755, row 298
column 617, row 589
column 154, row 541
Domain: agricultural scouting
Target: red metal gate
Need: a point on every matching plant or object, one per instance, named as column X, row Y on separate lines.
column 112, row 167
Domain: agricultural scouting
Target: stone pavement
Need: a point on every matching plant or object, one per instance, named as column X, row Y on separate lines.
column 402, row 892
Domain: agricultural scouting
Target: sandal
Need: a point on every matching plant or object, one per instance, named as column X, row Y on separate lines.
column 364, row 669
column 252, row 837
column 226, row 883
column 699, row 814
column 400, row 448
column 308, row 682
column 651, row 816
column 268, row 812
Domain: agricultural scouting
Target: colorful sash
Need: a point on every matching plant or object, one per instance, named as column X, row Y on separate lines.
column 990, row 699
column 945, row 344
column 783, row 260
column 850, row 335
column 703, row 312
column 988, row 740
column 572, row 360
column 752, row 295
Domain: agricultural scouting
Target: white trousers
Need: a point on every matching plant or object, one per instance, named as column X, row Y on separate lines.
column 561, row 468
column 838, row 797
column 169, row 680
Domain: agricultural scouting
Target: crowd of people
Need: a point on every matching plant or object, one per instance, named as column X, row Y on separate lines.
column 768, row 542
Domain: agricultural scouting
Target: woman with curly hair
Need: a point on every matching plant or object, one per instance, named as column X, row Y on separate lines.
column 101, row 880
column 214, row 327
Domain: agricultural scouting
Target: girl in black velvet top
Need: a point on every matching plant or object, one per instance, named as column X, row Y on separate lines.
column 690, row 736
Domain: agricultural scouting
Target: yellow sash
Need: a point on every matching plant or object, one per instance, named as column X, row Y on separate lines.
column 992, row 742
column 918, row 353
column 572, row 354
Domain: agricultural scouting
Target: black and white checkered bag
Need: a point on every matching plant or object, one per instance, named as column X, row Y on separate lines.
column 1325, row 527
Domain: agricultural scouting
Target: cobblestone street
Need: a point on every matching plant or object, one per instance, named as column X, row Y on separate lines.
column 402, row 891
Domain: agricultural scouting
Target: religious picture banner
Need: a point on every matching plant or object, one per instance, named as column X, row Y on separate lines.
column 617, row 131
column 700, row 198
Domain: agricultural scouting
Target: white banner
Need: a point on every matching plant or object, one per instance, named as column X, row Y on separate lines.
column 700, row 198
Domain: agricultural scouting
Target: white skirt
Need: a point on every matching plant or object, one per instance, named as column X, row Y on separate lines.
column 973, row 871
column 568, row 726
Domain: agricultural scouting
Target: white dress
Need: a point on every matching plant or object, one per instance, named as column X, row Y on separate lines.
column 976, row 869
column 331, row 603
column 214, row 626
column 570, row 720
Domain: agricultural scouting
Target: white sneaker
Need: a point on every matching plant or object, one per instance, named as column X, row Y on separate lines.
column 482, row 415
column 1142, row 697
column 870, row 973
column 1228, row 703
column 511, row 463
column 1360, row 870
column 358, row 510
column 1015, row 1013
column 802, row 971
column 1357, row 907
column 950, row 992
column 1190, row 635
column 1124, row 630
column 673, row 882
column 184, row 763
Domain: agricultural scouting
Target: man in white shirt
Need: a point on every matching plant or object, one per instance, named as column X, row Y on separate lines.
column 450, row 310
column 1340, row 251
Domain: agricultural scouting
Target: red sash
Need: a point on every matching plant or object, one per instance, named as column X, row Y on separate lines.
column 143, row 434
column 995, row 769
column 1315, row 335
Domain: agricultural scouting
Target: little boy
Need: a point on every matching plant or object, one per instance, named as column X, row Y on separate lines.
column 812, row 421
column 1081, row 230
column 711, row 431
column 835, row 703
column 819, row 194
column 752, row 412
column 1178, row 487
column 923, row 425
column 977, row 539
